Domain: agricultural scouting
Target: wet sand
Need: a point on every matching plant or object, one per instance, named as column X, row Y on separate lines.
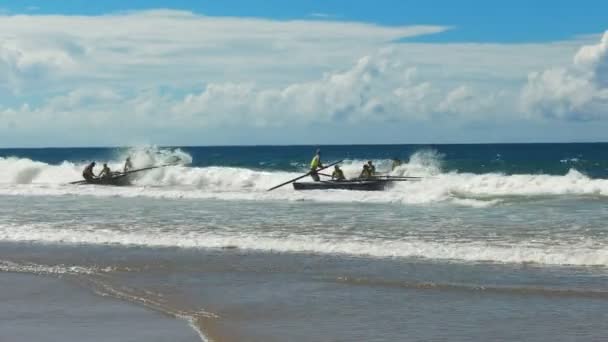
column 42, row 308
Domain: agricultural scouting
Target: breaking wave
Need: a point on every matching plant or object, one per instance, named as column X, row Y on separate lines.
column 585, row 252
column 20, row 176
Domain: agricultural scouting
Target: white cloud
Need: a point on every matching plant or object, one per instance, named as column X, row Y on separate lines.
column 320, row 15
column 372, row 90
column 175, row 71
column 594, row 60
column 576, row 93
column 131, row 47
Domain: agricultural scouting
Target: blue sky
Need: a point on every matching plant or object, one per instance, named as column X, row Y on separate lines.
column 276, row 72
column 473, row 20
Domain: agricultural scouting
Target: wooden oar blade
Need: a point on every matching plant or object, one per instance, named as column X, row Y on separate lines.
column 290, row 181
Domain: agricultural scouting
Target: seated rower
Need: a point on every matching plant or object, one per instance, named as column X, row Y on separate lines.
column 338, row 174
column 128, row 165
column 105, row 172
column 371, row 167
column 365, row 173
column 87, row 173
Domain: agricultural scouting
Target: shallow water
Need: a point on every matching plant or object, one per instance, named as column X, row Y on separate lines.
column 35, row 308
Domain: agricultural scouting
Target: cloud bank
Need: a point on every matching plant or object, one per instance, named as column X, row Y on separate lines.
column 176, row 72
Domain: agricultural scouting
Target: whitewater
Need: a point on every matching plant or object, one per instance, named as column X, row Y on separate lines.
column 23, row 176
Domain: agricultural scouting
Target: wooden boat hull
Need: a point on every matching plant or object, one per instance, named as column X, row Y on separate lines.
column 359, row 185
column 116, row 180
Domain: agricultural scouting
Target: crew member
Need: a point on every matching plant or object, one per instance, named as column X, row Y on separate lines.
column 315, row 164
column 338, row 174
column 105, row 172
column 371, row 167
column 87, row 173
column 128, row 165
column 365, row 173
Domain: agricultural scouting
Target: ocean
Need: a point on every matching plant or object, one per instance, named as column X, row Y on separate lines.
column 500, row 242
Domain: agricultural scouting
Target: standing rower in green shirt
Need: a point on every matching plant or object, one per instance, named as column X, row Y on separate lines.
column 315, row 164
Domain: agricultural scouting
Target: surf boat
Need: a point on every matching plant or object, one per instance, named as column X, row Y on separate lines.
column 377, row 183
column 361, row 185
column 119, row 179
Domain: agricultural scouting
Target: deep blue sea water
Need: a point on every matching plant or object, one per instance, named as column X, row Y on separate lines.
column 494, row 242
column 554, row 159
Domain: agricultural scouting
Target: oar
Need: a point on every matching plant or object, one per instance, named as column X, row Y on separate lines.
column 307, row 174
column 146, row 168
column 400, row 177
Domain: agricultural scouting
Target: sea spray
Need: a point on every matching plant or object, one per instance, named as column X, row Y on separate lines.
column 23, row 176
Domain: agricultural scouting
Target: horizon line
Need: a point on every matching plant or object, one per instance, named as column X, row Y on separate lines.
column 303, row 145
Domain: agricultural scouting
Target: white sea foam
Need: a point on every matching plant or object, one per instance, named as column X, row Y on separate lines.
column 20, row 176
column 582, row 253
column 9, row 266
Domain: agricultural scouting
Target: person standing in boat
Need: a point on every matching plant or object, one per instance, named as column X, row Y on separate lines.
column 337, row 174
column 87, row 173
column 105, row 172
column 128, row 165
column 315, row 164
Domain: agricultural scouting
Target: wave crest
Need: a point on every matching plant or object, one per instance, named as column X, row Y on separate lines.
column 21, row 176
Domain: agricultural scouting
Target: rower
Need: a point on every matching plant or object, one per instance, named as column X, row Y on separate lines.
column 87, row 173
column 372, row 168
column 315, row 164
column 105, row 172
column 365, row 173
column 128, row 165
column 338, row 174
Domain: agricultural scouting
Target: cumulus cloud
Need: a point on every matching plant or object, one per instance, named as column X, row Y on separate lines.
column 374, row 89
column 593, row 59
column 579, row 92
column 174, row 71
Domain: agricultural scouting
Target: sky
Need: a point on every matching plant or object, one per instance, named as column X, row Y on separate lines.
column 108, row 73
